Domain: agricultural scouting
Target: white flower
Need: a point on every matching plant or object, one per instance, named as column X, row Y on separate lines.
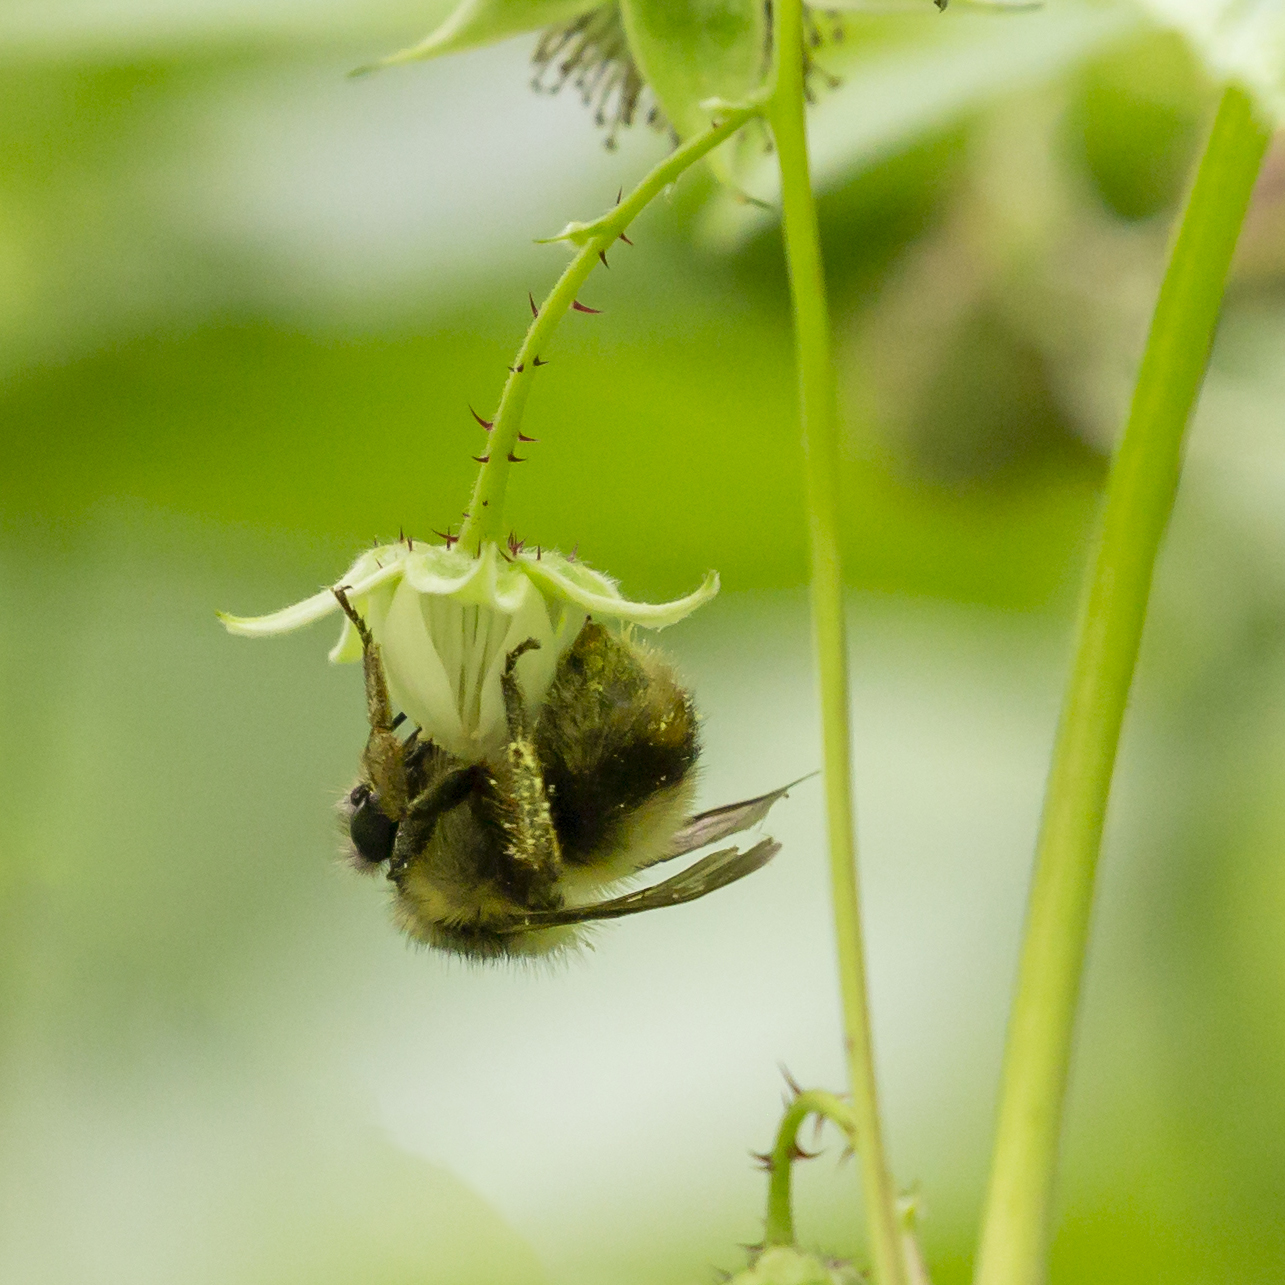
column 446, row 620
column 1239, row 40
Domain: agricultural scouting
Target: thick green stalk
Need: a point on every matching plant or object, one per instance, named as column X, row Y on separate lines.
column 484, row 521
column 819, row 415
column 1144, row 477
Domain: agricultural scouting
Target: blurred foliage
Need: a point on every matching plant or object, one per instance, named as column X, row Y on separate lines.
column 246, row 306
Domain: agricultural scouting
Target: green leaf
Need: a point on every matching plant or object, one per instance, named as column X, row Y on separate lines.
column 691, row 51
column 1242, row 41
column 482, row 22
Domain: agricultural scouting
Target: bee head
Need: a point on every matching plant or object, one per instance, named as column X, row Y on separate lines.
column 372, row 832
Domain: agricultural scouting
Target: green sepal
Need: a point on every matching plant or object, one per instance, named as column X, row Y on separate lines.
column 482, row 22
column 694, row 51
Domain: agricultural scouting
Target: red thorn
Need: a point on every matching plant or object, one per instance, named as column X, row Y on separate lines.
column 513, row 459
column 539, row 361
column 620, row 191
column 401, row 534
column 535, row 312
column 602, row 254
column 789, row 1079
column 580, row 307
column 523, row 438
column 575, row 552
column 625, row 239
column 797, row 1153
column 763, row 1159
column 481, row 459
column 448, row 537
column 410, row 544
column 539, row 552
column 487, row 424
column 515, row 370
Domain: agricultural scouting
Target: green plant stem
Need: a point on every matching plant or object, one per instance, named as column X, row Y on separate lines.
column 819, row 415
column 779, row 1224
column 484, row 520
column 1144, row 477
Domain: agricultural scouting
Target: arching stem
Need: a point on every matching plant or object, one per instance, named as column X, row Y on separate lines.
column 484, row 522
column 779, row 1226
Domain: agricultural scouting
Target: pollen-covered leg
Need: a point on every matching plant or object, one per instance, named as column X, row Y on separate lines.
column 522, row 811
column 382, row 759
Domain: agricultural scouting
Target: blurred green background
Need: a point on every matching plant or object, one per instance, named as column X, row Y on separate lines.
column 245, row 304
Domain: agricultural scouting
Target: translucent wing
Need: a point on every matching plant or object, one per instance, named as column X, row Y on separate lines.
column 720, row 823
column 706, row 875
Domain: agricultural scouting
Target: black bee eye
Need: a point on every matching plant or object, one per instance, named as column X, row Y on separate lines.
column 372, row 832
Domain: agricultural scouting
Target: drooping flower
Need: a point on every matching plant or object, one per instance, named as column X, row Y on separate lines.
column 690, row 54
column 445, row 622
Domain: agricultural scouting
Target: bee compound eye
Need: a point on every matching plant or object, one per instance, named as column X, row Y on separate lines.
column 373, row 833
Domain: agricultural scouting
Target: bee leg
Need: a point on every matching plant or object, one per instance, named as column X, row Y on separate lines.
column 514, row 705
column 382, row 758
column 532, row 851
column 426, row 809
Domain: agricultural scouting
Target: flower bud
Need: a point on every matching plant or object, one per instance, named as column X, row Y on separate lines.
column 789, row 1265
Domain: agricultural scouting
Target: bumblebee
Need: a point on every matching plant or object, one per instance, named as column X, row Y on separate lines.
column 509, row 856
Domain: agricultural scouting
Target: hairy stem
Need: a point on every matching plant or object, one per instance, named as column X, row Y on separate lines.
column 779, row 1225
column 819, row 414
column 484, row 520
column 1144, row 478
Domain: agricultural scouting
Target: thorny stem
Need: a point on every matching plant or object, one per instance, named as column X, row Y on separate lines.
column 779, row 1226
column 1140, row 494
column 484, row 522
column 819, row 415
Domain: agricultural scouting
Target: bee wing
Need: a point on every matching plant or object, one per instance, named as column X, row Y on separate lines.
column 707, row 875
column 720, row 823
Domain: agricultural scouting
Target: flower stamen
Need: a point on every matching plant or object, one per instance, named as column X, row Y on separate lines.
column 592, row 53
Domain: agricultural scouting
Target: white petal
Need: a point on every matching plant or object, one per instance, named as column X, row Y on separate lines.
column 373, row 608
column 436, row 570
column 534, row 669
column 374, row 566
column 489, row 580
column 1239, row 40
column 282, row 622
column 419, row 682
column 555, row 581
